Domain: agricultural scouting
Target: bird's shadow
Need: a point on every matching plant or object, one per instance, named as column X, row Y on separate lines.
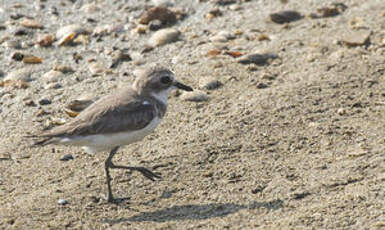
column 196, row 212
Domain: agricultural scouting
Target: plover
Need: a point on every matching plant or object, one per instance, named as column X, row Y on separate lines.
column 119, row 119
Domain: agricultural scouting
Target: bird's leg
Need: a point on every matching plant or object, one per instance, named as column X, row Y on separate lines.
column 145, row 172
column 107, row 165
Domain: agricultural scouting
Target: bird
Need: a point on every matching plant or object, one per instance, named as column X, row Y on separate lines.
column 118, row 119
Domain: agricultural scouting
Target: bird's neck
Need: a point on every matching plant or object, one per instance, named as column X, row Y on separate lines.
column 161, row 96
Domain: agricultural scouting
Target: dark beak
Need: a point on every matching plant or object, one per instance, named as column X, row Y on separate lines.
column 182, row 86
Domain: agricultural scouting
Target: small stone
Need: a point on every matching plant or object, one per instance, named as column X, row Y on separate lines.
column 20, row 32
column 67, row 157
column 52, row 76
column 262, row 85
column 73, row 28
column 118, row 56
column 218, row 38
column 137, row 58
column 330, row 11
column 162, row 14
column 67, row 34
column 235, row 7
column 63, row 68
column 44, row 101
column 298, row 195
column 14, row 84
column 13, row 44
column 341, row 111
column 256, row 58
column 356, row 38
column 45, row 40
column 107, row 29
column 213, row 13
column 96, row 68
column 81, row 39
column 16, row 16
column 29, row 102
column 30, row 59
column 58, row 121
column 285, row 16
column 62, row 201
column 20, row 74
column 223, row 2
column 90, row 8
column 164, row 36
column 53, row 85
column 31, row 23
column 209, row 83
column 196, row 96
column 222, row 36
column 17, row 56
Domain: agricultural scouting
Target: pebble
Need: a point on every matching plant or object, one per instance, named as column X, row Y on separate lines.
column 209, row 83
column 20, row 32
column 262, row 85
column 30, row 59
column 67, row 34
column 96, row 68
column 13, row 44
column 107, row 29
column 223, row 2
column 356, row 38
column 118, row 57
column 16, row 16
column 53, row 85
column 330, row 11
column 137, row 58
column 20, row 74
column 164, row 36
column 17, row 56
column 196, row 96
column 222, row 36
column 256, row 58
column 44, row 101
column 162, row 14
column 62, row 201
column 72, row 28
column 67, row 157
column 52, row 76
column 341, row 111
column 285, row 16
column 63, row 68
column 45, row 40
column 218, row 38
column 235, row 7
column 90, row 8
column 14, row 84
column 31, row 23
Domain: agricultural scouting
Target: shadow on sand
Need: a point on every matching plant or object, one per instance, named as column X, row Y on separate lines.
column 196, row 212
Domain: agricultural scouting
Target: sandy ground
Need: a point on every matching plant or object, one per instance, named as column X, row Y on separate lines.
column 297, row 143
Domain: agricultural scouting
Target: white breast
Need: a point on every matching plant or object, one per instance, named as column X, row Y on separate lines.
column 105, row 142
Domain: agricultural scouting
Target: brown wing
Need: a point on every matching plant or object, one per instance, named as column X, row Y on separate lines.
column 119, row 112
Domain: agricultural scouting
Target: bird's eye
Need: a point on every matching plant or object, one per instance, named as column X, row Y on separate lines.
column 165, row 80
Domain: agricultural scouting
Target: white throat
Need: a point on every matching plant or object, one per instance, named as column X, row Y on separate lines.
column 162, row 96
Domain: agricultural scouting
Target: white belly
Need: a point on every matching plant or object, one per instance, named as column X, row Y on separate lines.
column 105, row 142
